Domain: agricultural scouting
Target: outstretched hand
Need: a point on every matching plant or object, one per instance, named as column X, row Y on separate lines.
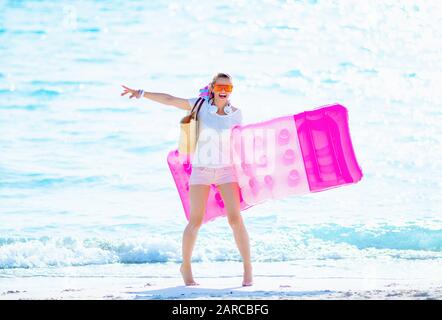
column 133, row 93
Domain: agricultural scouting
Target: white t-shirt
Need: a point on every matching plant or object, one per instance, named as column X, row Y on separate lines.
column 213, row 147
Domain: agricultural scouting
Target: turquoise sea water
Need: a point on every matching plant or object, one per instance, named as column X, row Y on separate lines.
column 83, row 173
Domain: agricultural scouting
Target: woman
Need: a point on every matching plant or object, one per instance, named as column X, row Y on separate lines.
column 212, row 164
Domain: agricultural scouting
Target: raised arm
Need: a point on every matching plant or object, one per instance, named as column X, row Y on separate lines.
column 163, row 98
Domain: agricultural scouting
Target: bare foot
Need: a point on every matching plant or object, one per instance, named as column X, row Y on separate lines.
column 247, row 278
column 186, row 273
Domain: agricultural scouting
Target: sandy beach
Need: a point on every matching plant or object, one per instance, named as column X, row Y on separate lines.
column 320, row 281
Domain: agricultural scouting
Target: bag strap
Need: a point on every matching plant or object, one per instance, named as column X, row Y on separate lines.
column 200, row 101
column 194, row 105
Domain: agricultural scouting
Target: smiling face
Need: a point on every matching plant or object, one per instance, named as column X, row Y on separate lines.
column 221, row 97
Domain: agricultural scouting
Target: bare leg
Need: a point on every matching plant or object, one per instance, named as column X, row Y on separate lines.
column 198, row 199
column 230, row 195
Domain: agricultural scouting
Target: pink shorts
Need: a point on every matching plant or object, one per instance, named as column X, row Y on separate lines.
column 216, row 176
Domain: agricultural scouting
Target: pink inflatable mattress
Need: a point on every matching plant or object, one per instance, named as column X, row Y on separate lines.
column 297, row 154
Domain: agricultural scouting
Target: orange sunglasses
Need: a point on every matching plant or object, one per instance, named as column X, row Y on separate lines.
column 220, row 87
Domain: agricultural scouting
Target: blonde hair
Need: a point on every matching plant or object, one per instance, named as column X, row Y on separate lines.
column 217, row 76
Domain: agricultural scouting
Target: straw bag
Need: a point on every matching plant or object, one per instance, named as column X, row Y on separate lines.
column 189, row 130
